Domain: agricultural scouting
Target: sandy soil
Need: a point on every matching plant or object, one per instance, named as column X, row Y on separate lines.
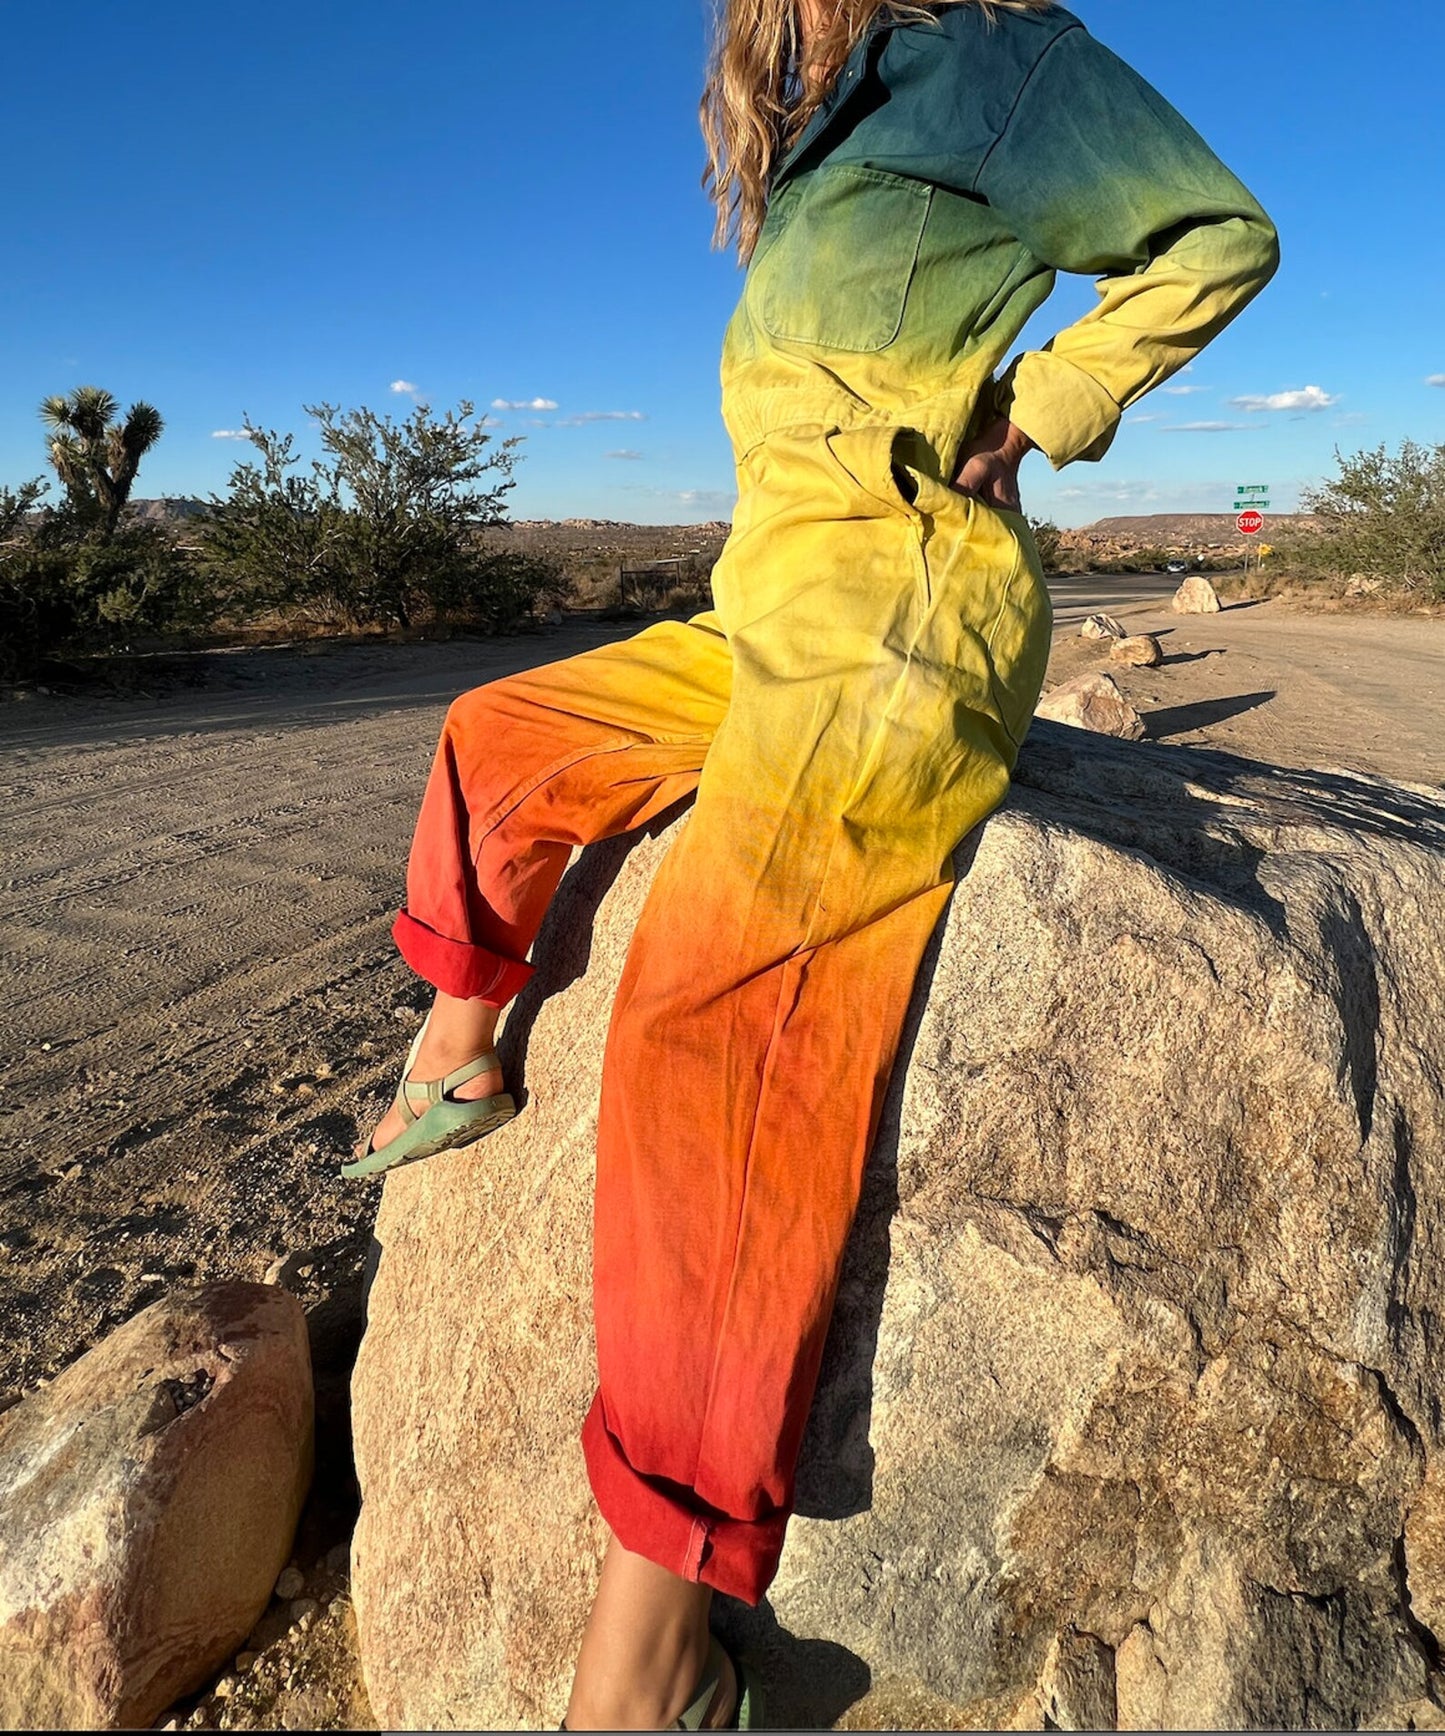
column 196, row 890
column 1278, row 682
column 203, row 1002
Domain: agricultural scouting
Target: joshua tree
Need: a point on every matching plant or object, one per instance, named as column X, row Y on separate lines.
column 95, row 455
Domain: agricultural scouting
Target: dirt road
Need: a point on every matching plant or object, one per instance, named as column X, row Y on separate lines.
column 195, row 891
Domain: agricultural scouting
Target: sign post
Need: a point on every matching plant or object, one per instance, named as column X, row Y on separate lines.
column 1251, row 501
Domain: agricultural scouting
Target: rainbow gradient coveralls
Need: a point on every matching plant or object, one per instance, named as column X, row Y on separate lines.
column 852, row 706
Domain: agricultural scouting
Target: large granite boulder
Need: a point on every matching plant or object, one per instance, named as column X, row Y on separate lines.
column 1132, row 1407
column 148, row 1499
column 1092, row 701
column 1197, row 596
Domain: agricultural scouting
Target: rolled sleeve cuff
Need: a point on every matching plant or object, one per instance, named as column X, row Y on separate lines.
column 457, row 967
column 1065, row 412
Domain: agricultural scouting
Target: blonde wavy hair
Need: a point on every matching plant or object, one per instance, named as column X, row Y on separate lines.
column 763, row 88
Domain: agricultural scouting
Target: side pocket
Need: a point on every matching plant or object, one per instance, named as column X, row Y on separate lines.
column 872, row 458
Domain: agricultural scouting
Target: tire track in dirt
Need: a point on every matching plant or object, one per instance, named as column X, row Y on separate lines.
column 205, row 1004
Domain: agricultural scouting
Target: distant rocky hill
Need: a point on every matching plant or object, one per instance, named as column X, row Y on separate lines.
column 1166, row 529
column 1159, row 529
column 169, row 509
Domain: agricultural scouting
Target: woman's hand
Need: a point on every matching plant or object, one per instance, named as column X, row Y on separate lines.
column 989, row 465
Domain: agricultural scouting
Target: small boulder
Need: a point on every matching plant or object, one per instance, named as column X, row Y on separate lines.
column 1142, row 651
column 148, row 1500
column 1103, row 627
column 1092, row 702
column 1197, row 596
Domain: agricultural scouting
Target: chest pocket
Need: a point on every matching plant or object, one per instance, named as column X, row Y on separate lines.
column 836, row 272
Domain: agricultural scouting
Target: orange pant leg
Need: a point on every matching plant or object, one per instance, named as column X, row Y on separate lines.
column 534, row 764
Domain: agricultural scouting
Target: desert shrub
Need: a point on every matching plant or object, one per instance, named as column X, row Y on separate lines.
column 1047, row 539
column 1382, row 516
column 16, row 506
column 79, row 577
column 63, row 594
column 386, row 529
column 596, row 587
column 497, row 588
column 688, row 598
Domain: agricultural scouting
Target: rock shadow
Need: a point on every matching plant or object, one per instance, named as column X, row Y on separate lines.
column 563, row 948
column 807, row 1684
column 335, row 1321
column 1181, row 719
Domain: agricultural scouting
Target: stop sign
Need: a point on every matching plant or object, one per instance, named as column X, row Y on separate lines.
column 1250, row 523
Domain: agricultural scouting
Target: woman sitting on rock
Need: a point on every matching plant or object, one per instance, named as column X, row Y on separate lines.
column 903, row 182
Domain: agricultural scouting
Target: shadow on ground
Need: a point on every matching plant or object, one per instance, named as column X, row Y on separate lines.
column 1184, row 719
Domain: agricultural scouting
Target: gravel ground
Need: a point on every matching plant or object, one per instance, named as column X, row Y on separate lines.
column 196, row 885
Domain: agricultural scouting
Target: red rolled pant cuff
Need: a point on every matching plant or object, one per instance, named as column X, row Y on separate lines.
column 458, row 967
column 670, row 1526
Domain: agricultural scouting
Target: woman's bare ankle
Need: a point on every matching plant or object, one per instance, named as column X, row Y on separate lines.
column 644, row 1649
column 457, row 1027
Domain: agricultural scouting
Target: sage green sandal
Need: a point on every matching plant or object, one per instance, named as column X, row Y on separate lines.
column 747, row 1714
column 443, row 1125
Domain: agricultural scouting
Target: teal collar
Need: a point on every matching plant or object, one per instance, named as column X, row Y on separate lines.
column 844, row 89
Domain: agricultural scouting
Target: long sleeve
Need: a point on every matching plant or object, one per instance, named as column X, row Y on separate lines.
column 1096, row 173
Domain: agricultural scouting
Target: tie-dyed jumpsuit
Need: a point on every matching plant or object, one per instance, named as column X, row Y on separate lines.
column 852, row 706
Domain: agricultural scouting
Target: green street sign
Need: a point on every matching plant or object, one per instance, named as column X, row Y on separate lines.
column 1252, row 488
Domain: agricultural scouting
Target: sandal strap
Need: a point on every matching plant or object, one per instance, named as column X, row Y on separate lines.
column 472, row 1070
column 707, row 1687
column 430, row 1091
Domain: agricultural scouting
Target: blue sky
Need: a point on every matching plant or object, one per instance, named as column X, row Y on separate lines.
column 234, row 211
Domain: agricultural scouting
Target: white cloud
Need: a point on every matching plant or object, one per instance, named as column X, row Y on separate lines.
column 1310, row 398
column 230, row 434
column 1147, row 416
column 712, row 501
column 523, row 404
column 582, row 420
column 1204, row 428
column 622, row 454
column 1435, row 380
column 1182, row 391
column 404, row 387
column 1086, row 499
column 1127, row 492
column 489, row 422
